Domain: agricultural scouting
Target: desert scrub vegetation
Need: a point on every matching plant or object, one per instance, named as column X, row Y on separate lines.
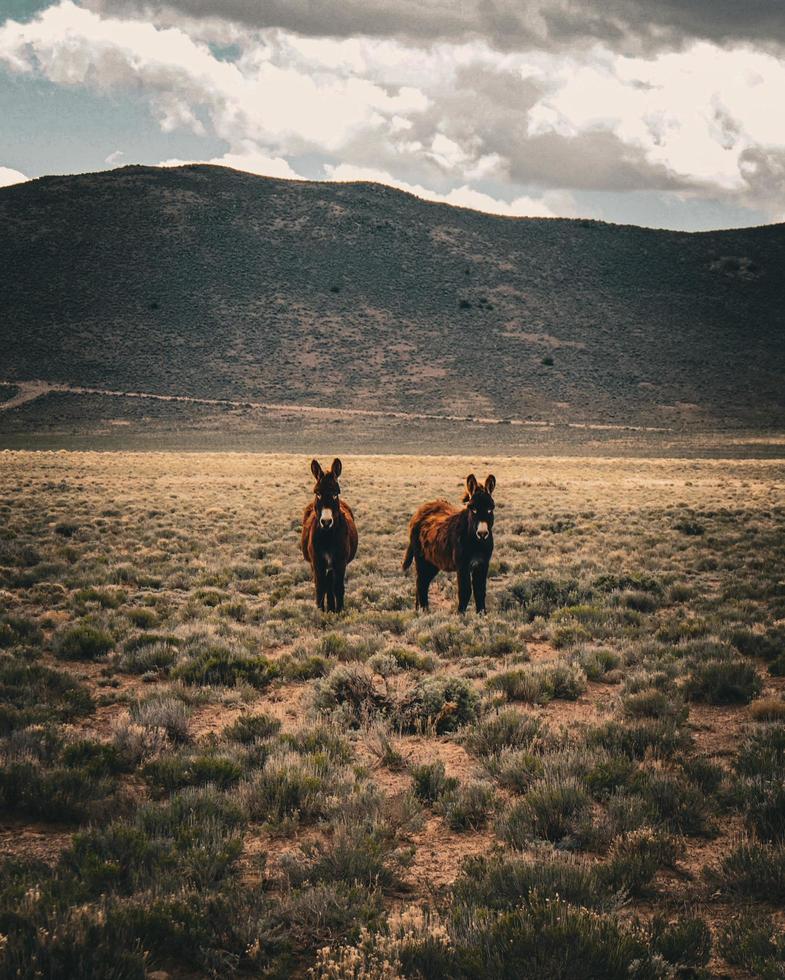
column 221, row 780
column 538, row 685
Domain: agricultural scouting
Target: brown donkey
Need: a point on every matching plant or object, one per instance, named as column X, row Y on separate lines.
column 329, row 538
column 448, row 539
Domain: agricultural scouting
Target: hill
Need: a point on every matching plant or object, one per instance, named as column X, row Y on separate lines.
column 204, row 282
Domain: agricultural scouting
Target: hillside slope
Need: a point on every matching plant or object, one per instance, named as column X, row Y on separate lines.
column 207, row 282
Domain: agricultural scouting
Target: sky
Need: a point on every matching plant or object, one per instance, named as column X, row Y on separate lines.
column 665, row 113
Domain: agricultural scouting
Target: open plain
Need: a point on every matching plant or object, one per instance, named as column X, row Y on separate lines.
column 202, row 774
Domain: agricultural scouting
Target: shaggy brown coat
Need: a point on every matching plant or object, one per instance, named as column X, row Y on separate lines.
column 329, row 537
column 446, row 538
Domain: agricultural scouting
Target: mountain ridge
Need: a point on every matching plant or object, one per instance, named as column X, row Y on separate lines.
column 213, row 283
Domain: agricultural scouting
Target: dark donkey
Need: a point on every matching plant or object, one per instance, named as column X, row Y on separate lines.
column 444, row 538
column 329, row 537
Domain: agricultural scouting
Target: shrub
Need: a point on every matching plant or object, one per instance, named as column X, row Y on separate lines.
column 752, row 942
column 554, row 939
column 686, row 943
column 105, row 598
column 703, row 773
column 609, row 582
column 637, row 738
column 338, row 646
column 597, row 664
column 249, row 728
column 430, row 782
column 523, row 684
column 83, row 642
column 169, row 715
column 360, row 852
column 408, row 659
column 507, row 729
column 176, row 771
column 16, row 630
column 540, row 684
column 154, row 657
column 515, row 769
column 568, row 680
column 32, row 693
column 777, row 667
column 552, row 810
column 764, row 807
column 190, row 840
column 763, row 753
column 443, row 704
column 321, row 738
column 654, row 703
column 502, row 882
column 540, row 597
column 290, row 785
column 769, row 645
column 608, row 773
column 60, row 793
column 643, row 602
column 768, row 709
column 350, row 692
column 723, row 682
column 72, row 942
column 303, row 668
column 754, row 870
column 216, row 665
column 635, row 858
column 675, row 803
column 143, row 617
column 467, row 807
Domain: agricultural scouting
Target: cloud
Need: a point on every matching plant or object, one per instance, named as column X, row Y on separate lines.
column 9, row 176
column 623, row 25
column 114, row 158
column 547, row 206
column 250, row 159
column 511, row 132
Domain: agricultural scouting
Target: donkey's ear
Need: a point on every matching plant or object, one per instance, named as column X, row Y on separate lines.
column 490, row 483
column 471, row 484
column 317, row 471
column 336, row 468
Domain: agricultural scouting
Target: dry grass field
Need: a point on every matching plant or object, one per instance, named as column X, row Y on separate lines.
column 203, row 775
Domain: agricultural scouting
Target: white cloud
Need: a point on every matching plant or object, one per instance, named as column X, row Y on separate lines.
column 250, row 159
column 446, row 120
column 10, row 176
column 550, row 205
column 115, row 157
column 695, row 112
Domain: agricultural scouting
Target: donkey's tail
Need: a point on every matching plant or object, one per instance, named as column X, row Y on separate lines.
column 408, row 558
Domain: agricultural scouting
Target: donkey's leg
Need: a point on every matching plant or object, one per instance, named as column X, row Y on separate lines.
column 339, row 584
column 479, row 580
column 464, row 589
column 426, row 572
column 320, row 585
column 330, row 586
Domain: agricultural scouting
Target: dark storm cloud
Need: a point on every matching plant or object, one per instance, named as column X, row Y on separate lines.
column 596, row 160
column 633, row 25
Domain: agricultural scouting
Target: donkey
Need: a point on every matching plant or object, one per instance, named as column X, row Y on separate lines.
column 329, row 539
column 448, row 539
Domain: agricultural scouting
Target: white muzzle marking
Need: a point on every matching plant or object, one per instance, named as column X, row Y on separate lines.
column 326, row 518
column 482, row 529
